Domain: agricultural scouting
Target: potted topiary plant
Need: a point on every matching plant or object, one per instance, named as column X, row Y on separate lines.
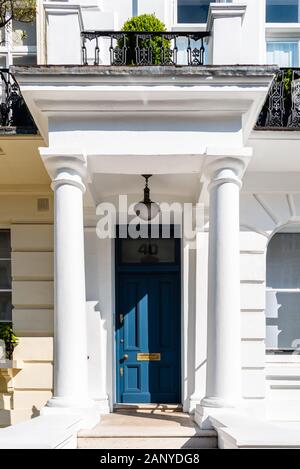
column 145, row 23
column 9, row 338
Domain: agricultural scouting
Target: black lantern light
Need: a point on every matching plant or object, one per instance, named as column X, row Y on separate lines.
column 146, row 209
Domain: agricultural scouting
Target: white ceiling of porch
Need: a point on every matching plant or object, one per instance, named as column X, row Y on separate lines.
column 182, row 187
column 275, row 151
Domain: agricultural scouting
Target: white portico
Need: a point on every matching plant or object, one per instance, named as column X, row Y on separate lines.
column 182, row 126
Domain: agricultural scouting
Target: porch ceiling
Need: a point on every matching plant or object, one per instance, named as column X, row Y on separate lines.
column 164, row 187
column 276, row 151
column 20, row 162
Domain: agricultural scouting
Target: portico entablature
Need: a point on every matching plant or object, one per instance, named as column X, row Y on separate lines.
column 151, row 110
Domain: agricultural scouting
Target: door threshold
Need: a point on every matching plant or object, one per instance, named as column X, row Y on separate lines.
column 153, row 407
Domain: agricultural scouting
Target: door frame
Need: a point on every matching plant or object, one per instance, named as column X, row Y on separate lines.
column 151, row 268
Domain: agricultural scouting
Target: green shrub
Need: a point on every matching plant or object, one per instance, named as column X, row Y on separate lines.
column 10, row 339
column 288, row 77
column 19, row 10
column 145, row 23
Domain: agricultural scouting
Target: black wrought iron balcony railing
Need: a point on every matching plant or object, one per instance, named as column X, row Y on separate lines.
column 119, row 48
column 13, row 110
column 281, row 110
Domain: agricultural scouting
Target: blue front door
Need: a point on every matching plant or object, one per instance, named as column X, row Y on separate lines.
column 148, row 335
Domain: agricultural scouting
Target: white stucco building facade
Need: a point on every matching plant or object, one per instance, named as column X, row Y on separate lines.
column 226, row 300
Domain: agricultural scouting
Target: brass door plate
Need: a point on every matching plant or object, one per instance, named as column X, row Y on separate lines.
column 148, row 357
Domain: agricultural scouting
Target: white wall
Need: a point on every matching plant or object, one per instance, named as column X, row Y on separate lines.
column 100, row 313
column 252, row 259
column 237, row 32
column 152, row 133
column 63, row 21
column 253, row 32
column 263, row 212
column 30, row 387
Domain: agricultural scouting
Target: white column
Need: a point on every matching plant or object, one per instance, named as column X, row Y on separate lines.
column 223, row 388
column 70, row 338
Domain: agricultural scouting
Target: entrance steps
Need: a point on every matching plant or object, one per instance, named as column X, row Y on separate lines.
column 148, row 407
column 147, row 427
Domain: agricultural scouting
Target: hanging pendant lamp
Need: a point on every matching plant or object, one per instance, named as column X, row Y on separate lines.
column 146, row 209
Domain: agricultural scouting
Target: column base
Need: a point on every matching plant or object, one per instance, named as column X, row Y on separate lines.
column 219, row 403
column 194, row 401
column 202, row 416
column 69, row 402
column 102, row 405
column 213, row 407
column 87, row 412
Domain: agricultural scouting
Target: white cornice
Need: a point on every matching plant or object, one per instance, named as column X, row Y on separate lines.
column 63, row 9
column 215, row 91
column 69, row 6
column 225, row 10
column 282, row 30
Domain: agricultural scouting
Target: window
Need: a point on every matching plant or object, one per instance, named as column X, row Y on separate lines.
column 282, row 11
column 283, row 53
column 283, row 292
column 192, row 11
column 145, row 251
column 18, row 44
column 5, row 277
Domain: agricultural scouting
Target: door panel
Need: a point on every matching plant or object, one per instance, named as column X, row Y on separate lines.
column 148, row 322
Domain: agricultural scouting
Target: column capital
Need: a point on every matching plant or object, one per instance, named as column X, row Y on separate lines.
column 225, row 170
column 226, row 165
column 65, row 167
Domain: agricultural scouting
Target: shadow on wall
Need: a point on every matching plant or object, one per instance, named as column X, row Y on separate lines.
column 191, row 329
column 35, row 412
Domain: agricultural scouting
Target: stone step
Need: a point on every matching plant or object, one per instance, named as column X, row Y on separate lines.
column 148, row 407
column 146, row 429
column 203, row 442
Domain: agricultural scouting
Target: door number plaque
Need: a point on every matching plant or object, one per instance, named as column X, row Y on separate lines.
column 148, row 357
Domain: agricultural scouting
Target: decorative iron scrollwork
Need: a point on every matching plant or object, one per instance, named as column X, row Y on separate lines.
column 195, row 54
column 282, row 107
column 13, row 110
column 143, row 48
column 294, row 118
column 276, row 108
column 169, row 49
column 118, row 53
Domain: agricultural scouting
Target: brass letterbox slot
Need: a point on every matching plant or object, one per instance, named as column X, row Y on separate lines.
column 148, row 357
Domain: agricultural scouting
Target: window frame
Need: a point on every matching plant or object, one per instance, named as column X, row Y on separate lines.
column 289, row 351
column 7, row 290
column 279, row 32
column 285, row 39
column 285, row 23
column 187, row 26
column 9, row 51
